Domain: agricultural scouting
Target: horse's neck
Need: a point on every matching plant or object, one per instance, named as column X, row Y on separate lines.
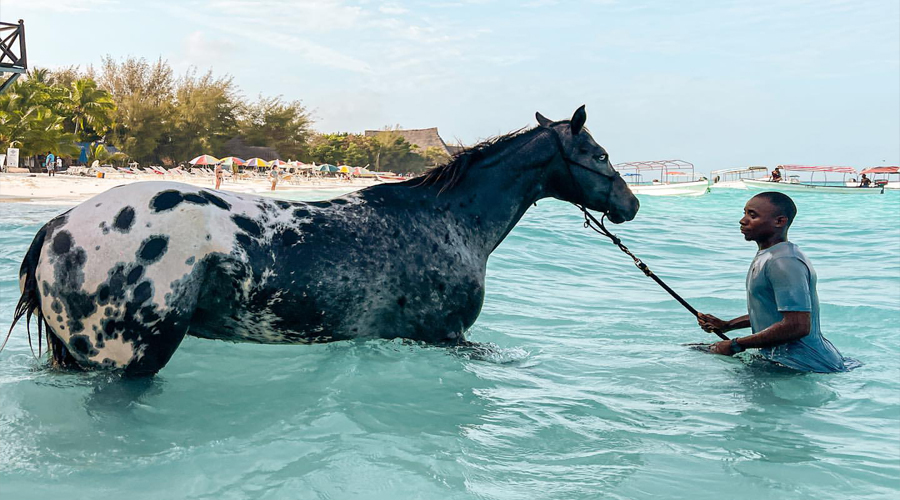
column 497, row 191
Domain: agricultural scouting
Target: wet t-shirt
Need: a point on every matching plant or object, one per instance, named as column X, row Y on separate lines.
column 782, row 279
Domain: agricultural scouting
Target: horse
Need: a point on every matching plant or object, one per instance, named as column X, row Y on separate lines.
column 119, row 280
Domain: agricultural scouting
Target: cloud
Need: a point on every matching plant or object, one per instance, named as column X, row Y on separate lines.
column 57, row 6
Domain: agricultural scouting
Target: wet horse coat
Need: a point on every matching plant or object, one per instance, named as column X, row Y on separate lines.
column 121, row 279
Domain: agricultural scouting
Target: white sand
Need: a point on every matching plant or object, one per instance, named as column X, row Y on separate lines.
column 68, row 189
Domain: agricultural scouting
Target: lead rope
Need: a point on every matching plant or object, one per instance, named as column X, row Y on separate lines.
column 590, row 221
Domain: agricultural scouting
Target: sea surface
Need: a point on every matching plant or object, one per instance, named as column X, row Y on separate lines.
column 588, row 391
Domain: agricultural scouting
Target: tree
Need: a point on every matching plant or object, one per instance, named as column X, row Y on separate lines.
column 272, row 122
column 204, row 116
column 92, row 109
column 99, row 152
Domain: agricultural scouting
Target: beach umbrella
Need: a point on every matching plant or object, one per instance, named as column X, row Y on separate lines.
column 277, row 163
column 257, row 162
column 361, row 171
column 230, row 161
column 327, row 168
column 204, row 160
column 344, row 169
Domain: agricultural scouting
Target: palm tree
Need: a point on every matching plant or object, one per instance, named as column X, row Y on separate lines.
column 91, row 106
column 102, row 155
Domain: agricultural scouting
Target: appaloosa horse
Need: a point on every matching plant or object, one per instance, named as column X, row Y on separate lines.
column 121, row 279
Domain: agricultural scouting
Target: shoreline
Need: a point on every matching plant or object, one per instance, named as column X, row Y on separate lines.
column 72, row 189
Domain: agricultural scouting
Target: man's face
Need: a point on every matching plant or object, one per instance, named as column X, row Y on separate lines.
column 761, row 220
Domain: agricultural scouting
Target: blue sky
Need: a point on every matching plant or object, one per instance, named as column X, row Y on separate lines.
column 719, row 84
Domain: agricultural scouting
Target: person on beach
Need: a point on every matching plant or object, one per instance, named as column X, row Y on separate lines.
column 274, row 175
column 781, row 295
column 219, row 175
column 59, row 164
column 50, row 163
column 776, row 175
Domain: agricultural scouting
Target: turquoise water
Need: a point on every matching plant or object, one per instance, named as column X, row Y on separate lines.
column 589, row 394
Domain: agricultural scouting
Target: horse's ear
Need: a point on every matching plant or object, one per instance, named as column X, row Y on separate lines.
column 542, row 120
column 578, row 120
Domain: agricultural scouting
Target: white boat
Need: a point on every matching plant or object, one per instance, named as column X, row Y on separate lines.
column 669, row 178
column 692, row 188
column 808, row 188
column 733, row 178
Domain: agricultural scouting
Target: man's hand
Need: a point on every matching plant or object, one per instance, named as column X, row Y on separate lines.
column 711, row 324
column 723, row 348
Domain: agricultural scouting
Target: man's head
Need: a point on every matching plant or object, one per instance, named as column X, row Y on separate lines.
column 767, row 217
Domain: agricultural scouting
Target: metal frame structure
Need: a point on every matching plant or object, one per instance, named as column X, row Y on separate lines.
column 10, row 61
column 666, row 168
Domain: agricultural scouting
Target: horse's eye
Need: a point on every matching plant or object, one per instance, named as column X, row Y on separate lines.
column 600, row 157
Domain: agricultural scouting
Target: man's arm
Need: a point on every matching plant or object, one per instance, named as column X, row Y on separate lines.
column 794, row 325
column 712, row 324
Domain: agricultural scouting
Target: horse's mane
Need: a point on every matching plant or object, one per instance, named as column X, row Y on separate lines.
column 450, row 174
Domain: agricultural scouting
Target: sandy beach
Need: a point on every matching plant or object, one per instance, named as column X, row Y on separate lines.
column 67, row 189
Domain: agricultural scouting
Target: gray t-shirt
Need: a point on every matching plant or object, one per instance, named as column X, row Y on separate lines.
column 782, row 279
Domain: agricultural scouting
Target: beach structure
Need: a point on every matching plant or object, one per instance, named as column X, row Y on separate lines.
column 13, row 57
column 422, row 138
column 817, row 181
column 733, row 178
column 663, row 178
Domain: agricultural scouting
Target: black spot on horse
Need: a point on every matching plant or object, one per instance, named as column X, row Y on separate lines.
column 339, row 201
column 287, row 238
column 320, row 204
column 166, row 200
column 153, row 248
column 80, row 344
column 62, row 243
column 124, row 220
column 142, row 292
column 196, row 199
column 215, row 200
column 248, row 225
column 190, row 260
column 134, row 275
column 401, row 301
column 283, row 204
column 301, row 213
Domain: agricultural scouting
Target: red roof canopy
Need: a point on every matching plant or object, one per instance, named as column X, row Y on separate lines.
column 881, row 170
column 818, row 168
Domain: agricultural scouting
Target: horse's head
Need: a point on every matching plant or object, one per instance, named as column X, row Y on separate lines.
column 583, row 175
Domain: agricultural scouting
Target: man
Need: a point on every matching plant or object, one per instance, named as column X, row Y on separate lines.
column 50, row 163
column 776, row 175
column 865, row 182
column 781, row 295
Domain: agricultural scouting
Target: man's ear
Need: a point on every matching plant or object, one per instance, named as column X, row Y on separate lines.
column 781, row 221
column 542, row 120
column 578, row 120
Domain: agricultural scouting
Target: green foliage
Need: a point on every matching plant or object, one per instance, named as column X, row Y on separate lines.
column 99, row 153
column 272, row 122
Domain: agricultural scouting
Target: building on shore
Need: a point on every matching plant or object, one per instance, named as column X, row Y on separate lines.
column 422, row 138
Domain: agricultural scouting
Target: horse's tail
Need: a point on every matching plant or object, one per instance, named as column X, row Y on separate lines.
column 30, row 301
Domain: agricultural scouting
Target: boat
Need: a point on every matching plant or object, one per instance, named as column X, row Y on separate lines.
column 389, row 177
column 667, row 178
column 793, row 184
column 881, row 176
column 733, row 178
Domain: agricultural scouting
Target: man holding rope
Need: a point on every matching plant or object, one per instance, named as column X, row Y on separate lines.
column 781, row 295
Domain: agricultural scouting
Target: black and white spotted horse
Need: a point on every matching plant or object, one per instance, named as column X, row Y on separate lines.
column 119, row 280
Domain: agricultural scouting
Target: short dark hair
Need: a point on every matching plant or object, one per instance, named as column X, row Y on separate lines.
column 782, row 202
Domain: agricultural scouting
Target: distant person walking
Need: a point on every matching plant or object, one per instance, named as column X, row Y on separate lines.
column 59, row 164
column 219, row 175
column 274, row 173
column 50, row 163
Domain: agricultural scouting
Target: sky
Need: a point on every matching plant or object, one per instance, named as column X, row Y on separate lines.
column 719, row 84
